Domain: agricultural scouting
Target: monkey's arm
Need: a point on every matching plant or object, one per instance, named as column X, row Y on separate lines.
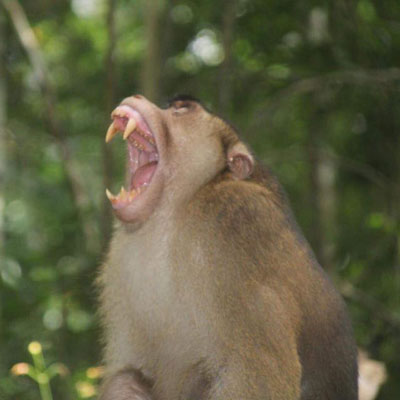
column 127, row 384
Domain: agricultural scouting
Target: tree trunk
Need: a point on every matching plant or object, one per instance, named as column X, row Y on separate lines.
column 167, row 26
column 396, row 195
column 226, row 81
column 110, row 104
column 3, row 122
column 3, row 149
column 326, row 174
column 393, row 189
column 152, row 61
column 322, row 196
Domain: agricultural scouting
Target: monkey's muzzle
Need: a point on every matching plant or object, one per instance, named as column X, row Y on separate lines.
column 142, row 153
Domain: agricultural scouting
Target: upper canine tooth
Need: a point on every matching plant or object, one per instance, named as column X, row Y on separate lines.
column 111, row 132
column 130, row 127
column 109, row 195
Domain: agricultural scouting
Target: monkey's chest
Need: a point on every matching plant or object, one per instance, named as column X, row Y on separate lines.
column 162, row 317
column 147, row 286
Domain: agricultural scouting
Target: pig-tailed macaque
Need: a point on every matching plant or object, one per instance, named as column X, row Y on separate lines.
column 209, row 290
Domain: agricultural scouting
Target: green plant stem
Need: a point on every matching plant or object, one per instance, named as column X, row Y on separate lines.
column 38, row 361
column 45, row 391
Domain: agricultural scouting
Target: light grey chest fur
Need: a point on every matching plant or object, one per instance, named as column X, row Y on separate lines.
column 162, row 318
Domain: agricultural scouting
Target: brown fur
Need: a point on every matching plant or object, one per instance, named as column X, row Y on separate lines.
column 217, row 295
column 127, row 384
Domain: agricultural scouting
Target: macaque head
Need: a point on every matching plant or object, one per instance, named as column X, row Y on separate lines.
column 172, row 153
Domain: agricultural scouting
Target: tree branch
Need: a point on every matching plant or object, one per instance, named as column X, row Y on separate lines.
column 361, row 169
column 379, row 310
column 360, row 77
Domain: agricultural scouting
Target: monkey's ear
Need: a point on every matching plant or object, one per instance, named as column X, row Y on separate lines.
column 240, row 161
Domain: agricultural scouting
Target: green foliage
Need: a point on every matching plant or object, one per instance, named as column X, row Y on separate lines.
column 292, row 96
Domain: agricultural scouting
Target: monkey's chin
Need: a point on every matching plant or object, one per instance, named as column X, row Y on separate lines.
column 138, row 201
column 143, row 206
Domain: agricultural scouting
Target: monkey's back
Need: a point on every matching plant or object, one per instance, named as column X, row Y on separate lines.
column 278, row 303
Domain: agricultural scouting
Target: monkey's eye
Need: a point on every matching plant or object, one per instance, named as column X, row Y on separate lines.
column 181, row 106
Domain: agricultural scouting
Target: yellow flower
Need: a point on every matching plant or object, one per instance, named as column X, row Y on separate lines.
column 85, row 389
column 94, row 372
column 35, row 348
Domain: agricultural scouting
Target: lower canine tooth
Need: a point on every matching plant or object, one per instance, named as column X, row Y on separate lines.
column 130, row 127
column 111, row 132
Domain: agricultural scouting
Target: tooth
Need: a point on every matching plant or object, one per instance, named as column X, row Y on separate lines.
column 138, row 145
column 123, row 193
column 110, row 195
column 148, row 137
column 130, row 127
column 111, row 132
column 132, row 194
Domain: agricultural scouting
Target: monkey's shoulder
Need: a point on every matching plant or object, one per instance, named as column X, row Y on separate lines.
column 256, row 201
column 253, row 217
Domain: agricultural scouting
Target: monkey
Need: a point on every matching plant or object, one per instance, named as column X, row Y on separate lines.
column 209, row 289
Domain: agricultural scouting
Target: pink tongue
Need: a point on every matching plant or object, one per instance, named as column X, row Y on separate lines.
column 144, row 174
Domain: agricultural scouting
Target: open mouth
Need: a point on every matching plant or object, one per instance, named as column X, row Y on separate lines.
column 142, row 153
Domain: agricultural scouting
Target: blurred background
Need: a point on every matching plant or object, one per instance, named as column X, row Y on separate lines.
column 314, row 88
